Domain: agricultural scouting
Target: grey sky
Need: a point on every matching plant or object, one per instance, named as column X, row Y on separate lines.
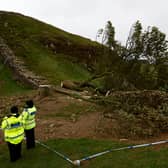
column 85, row 17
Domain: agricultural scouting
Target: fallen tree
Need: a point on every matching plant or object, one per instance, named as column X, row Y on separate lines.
column 135, row 114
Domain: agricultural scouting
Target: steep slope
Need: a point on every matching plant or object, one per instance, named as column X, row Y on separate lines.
column 20, row 72
column 46, row 50
column 8, row 85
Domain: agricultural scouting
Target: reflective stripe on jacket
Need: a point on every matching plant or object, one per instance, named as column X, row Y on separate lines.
column 28, row 118
column 13, row 129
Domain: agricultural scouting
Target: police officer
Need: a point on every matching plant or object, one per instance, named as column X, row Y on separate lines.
column 28, row 117
column 13, row 133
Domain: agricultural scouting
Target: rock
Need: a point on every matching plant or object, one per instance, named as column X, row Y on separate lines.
column 123, row 139
column 73, row 117
column 52, row 125
column 6, row 24
column 66, row 134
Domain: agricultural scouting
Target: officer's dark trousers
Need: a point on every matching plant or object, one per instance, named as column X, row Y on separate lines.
column 30, row 138
column 14, row 151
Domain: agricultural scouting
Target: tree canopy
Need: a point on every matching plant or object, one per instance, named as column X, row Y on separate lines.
column 144, row 58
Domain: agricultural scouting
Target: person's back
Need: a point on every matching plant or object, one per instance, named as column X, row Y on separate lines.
column 13, row 129
column 28, row 117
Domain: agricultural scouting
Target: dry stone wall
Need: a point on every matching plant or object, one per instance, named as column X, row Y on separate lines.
column 20, row 72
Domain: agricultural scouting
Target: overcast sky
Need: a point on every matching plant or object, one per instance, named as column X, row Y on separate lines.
column 85, row 17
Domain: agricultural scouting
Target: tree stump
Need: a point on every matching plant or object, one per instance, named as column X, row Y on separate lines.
column 45, row 90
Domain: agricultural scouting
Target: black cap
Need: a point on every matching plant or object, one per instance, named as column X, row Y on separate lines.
column 14, row 110
column 29, row 103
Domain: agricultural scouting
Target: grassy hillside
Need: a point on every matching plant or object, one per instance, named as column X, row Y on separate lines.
column 151, row 157
column 8, row 86
column 60, row 55
column 47, row 50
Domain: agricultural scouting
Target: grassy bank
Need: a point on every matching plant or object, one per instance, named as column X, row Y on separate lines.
column 151, row 157
column 54, row 67
column 8, row 86
column 45, row 49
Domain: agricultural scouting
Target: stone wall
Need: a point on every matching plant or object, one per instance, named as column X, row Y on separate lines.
column 20, row 72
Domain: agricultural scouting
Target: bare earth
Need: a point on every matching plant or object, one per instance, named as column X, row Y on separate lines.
column 52, row 125
column 49, row 126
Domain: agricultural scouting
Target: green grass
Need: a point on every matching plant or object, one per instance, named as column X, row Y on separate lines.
column 25, row 36
column 7, row 85
column 54, row 67
column 76, row 149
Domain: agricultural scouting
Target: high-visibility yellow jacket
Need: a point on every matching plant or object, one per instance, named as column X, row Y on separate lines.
column 13, row 129
column 28, row 118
